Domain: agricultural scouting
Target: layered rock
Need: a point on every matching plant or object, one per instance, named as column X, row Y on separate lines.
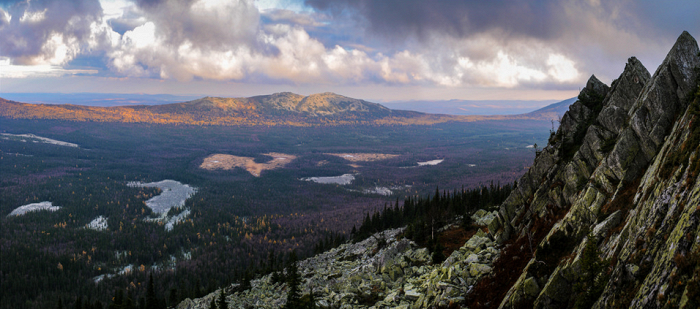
column 613, row 194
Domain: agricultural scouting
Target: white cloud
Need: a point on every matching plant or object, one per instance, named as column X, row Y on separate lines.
column 561, row 68
column 112, row 9
column 33, row 17
column 5, row 17
column 7, row 70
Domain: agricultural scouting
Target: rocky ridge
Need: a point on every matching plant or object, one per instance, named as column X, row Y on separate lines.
column 621, row 188
column 383, row 271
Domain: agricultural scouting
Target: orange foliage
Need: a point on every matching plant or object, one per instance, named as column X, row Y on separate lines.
column 239, row 117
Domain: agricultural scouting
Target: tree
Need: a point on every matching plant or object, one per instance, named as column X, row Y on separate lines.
column 293, row 282
column 172, row 297
column 221, row 303
column 438, row 257
column 151, row 302
column 212, row 305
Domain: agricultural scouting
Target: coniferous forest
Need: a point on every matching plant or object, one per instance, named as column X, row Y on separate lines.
column 238, row 225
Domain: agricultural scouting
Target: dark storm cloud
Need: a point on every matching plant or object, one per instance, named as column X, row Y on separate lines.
column 401, row 18
column 669, row 20
column 33, row 23
column 540, row 19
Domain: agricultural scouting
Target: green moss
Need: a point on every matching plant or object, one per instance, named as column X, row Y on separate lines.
column 593, row 278
column 692, row 143
column 631, row 156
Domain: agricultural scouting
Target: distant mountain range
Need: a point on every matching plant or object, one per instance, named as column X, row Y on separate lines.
column 470, row 107
column 284, row 108
column 97, row 99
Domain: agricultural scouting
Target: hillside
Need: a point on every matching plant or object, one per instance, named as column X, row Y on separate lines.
column 608, row 216
column 285, row 108
column 553, row 111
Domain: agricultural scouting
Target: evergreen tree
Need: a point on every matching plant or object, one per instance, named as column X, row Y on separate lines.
column 118, row 300
column 438, row 256
column 212, row 305
column 60, row 303
column 151, row 301
column 198, row 289
column 293, row 282
column 221, row 303
column 172, row 297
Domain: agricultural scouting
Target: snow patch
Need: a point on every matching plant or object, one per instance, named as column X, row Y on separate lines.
column 34, row 207
column 176, row 219
column 433, row 162
column 36, row 139
column 174, row 194
column 98, row 224
column 344, row 179
column 378, row 190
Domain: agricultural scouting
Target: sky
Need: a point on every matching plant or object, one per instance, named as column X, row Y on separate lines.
column 377, row 50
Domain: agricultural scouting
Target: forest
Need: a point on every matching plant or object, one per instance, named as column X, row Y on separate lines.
column 239, row 225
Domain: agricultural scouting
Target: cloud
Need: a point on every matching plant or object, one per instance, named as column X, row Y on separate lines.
column 502, row 44
column 47, row 32
column 399, row 19
column 597, row 36
column 23, row 71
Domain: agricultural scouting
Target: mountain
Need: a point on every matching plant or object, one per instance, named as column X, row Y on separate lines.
column 553, row 111
column 276, row 109
column 607, row 216
column 96, row 99
column 322, row 104
column 471, row 107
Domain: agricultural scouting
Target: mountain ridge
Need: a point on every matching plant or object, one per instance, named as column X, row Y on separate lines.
column 284, row 108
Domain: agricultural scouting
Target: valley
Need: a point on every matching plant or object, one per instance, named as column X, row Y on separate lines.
column 250, row 204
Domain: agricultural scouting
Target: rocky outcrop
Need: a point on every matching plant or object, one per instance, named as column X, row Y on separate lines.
column 622, row 190
column 383, row 271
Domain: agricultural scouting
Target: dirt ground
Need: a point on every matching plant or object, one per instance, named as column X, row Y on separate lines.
column 227, row 162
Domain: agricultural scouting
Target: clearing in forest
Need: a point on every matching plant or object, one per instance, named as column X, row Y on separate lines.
column 227, row 162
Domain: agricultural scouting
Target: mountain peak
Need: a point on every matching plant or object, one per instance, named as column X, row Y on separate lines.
column 682, row 60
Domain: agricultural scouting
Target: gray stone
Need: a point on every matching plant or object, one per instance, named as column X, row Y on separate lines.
column 412, row 294
column 477, row 270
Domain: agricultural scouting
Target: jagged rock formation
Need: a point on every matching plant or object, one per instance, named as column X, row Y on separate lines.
column 620, row 176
